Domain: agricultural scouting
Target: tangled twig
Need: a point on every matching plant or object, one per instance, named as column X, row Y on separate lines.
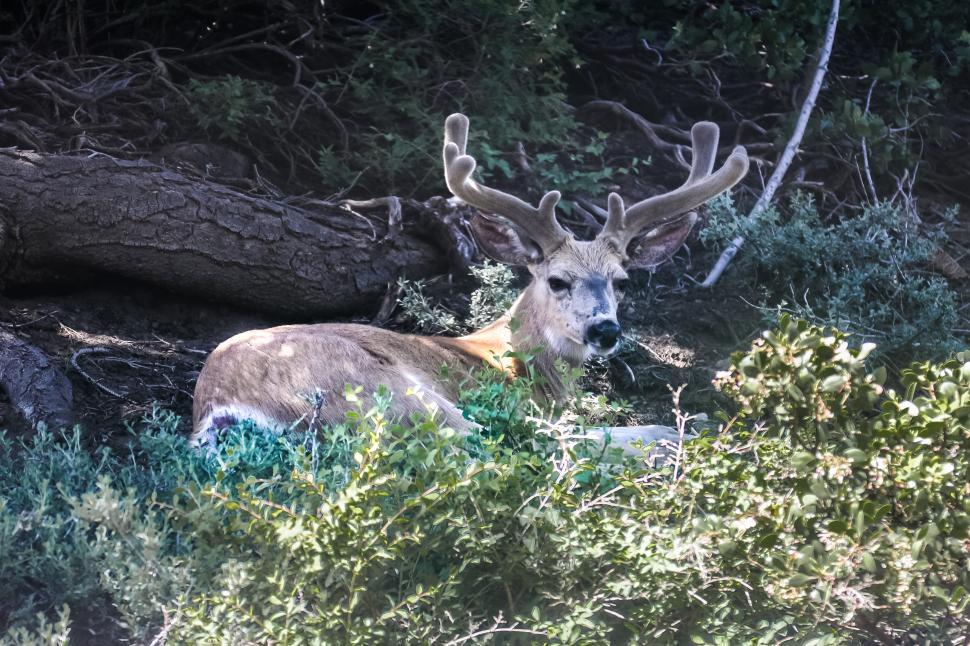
column 88, row 377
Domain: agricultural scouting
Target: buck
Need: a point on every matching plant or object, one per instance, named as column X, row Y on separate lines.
column 569, row 310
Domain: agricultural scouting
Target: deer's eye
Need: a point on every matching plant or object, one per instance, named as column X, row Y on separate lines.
column 620, row 284
column 559, row 285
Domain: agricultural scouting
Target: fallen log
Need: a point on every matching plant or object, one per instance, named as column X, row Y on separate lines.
column 35, row 387
column 66, row 219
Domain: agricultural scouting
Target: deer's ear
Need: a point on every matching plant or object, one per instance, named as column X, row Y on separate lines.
column 648, row 251
column 503, row 241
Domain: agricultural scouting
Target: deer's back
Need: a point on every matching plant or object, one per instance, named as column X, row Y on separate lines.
column 270, row 375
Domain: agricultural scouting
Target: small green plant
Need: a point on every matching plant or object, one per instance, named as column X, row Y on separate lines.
column 426, row 315
column 57, row 633
column 333, row 169
column 503, row 408
column 228, row 106
column 584, row 169
column 494, row 295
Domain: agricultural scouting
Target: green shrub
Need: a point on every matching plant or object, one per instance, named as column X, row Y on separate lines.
column 426, row 315
column 583, row 169
column 904, row 59
column 864, row 518
column 38, row 537
column 779, row 37
column 372, row 119
column 229, row 107
column 52, row 634
column 830, row 508
column 494, row 295
column 869, row 274
column 95, row 531
column 500, row 61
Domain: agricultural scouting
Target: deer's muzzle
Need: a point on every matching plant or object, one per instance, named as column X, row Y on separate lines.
column 603, row 335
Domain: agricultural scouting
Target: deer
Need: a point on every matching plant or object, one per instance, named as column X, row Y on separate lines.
column 566, row 315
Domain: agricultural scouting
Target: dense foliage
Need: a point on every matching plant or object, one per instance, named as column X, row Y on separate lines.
column 830, row 508
column 866, row 274
column 357, row 91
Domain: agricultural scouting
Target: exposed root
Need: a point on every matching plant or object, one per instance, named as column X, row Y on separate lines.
column 91, row 380
column 393, row 205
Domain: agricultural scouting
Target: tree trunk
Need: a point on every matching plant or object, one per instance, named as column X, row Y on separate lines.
column 67, row 218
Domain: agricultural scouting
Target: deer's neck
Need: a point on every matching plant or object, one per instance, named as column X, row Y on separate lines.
column 521, row 331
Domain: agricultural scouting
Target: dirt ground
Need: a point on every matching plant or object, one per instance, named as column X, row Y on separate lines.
column 127, row 347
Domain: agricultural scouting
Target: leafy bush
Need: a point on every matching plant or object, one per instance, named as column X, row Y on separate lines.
column 872, row 530
column 228, row 107
column 583, row 169
column 779, row 36
column 501, row 61
column 371, row 121
column 38, row 537
column 829, row 508
column 900, row 53
column 94, row 530
column 53, row 634
column 352, row 95
column 494, row 295
column 426, row 314
column 868, row 274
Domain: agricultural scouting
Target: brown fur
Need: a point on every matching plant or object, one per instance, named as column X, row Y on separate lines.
column 272, row 371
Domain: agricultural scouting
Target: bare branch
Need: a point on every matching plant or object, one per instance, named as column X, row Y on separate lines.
column 789, row 153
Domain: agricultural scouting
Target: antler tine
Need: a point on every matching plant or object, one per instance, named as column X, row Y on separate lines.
column 539, row 223
column 625, row 224
column 703, row 145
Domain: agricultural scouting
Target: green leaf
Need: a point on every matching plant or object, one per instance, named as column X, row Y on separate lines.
column 800, row 580
column 858, row 456
column 832, row 383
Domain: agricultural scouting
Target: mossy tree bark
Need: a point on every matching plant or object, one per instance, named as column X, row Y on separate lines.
column 68, row 218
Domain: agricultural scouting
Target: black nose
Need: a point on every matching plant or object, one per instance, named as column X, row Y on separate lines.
column 603, row 334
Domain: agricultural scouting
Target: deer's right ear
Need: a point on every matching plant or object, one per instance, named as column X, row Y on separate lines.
column 648, row 251
column 503, row 241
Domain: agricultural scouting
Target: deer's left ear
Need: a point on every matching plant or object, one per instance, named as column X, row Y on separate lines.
column 648, row 251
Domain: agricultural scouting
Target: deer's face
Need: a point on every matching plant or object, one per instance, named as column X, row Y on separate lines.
column 578, row 288
column 572, row 301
